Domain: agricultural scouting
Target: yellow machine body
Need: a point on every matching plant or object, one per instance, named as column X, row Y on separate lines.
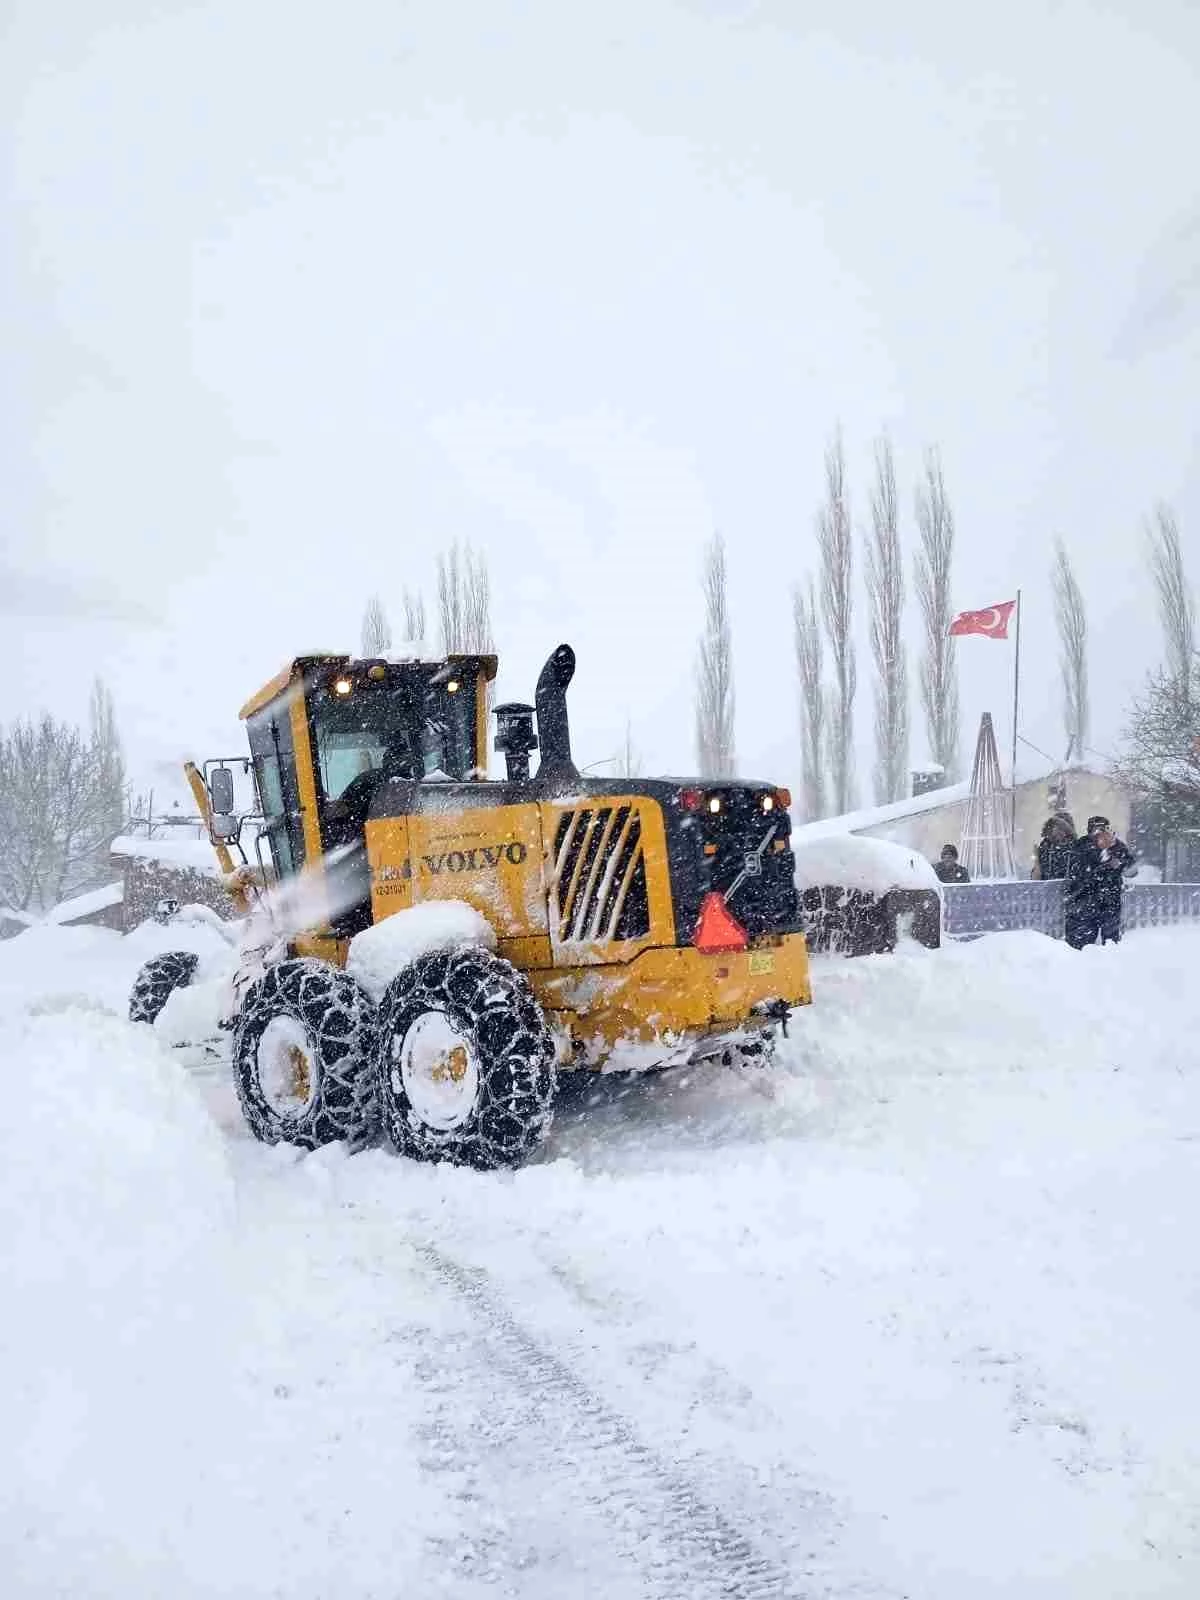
column 581, row 888
column 603, row 992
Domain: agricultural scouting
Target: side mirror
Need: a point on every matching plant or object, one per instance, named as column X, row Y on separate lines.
column 226, row 829
column 220, row 791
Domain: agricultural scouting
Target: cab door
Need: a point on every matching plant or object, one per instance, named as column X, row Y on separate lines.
column 274, row 757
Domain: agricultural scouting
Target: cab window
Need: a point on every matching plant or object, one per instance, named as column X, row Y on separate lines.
column 413, row 724
column 345, row 753
column 275, row 775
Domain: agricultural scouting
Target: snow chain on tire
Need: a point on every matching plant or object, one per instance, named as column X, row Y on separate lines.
column 336, row 1020
column 490, row 1005
column 157, row 979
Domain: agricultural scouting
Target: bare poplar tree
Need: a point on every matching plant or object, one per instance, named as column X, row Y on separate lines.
column 807, row 634
column 414, row 617
column 629, row 760
column 1072, row 651
column 885, row 592
column 108, row 762
column 939, row 675
column 477, row 605
column 450, row 598
column 1176, row 606
column 376, row 633
column 836, row 545
column 715, row 753
column 464, row 602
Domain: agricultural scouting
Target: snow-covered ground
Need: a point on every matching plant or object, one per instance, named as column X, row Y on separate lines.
column 915, row 1314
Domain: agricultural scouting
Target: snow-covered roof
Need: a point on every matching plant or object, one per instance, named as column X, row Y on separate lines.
column 915, row 805
column 873, row 816
column 86, row 905
column 196, row 855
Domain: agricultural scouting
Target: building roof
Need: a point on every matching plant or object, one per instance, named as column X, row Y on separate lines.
column 86, row 905
column 917, row 805
column 195, row 855
column 873, row 816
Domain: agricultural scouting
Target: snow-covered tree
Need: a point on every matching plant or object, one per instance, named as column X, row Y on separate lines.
column 629, row 759
column 1159, row 760
column 464, row 602
column 836, row 545
column 376, row 629
column 807, row 638
column 61, row 804
column 414, row 616
column 1072, row 654
column 108, row 759
column 1176, row 604
column 934, row 565
column 715, row 749
column 885, row 594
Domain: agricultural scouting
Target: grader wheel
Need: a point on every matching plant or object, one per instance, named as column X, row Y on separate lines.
column 303, row 1057
column 466, row 1062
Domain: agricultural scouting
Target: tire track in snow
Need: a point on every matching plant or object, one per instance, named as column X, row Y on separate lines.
column 678, row 1541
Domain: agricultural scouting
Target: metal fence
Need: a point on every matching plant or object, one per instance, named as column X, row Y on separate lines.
column 975, row 908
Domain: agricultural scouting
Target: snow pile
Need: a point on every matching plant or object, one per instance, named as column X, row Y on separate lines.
column 378, row 953
column 117, row 1206
column 188, row 1410
column 193, row 1012
column 57, row 967
column 875, row 865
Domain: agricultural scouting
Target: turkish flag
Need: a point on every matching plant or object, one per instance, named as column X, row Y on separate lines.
column 991, row 622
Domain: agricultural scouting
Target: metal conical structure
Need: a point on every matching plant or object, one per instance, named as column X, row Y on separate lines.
column 985, row 848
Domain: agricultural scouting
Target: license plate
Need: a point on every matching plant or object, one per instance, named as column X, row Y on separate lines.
column 761, row 961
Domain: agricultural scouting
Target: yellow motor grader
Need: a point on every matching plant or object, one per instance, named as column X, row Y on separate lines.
column 626, row 923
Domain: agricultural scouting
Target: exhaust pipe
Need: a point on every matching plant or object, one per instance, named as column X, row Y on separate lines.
column 554, row 732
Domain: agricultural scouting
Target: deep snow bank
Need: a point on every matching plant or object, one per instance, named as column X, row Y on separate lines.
column 96, row 964
column 918, row 1308
column 117, row 1207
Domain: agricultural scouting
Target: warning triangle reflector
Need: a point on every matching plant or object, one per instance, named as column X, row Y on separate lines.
column 718, row 929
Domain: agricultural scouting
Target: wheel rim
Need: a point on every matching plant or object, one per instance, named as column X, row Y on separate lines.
column 287, row 1070
column 439, row 1071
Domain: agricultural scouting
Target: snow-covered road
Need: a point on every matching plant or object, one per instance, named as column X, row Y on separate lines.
column 915, row 1315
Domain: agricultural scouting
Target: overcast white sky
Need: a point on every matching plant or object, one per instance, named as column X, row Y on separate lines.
column 295, row 293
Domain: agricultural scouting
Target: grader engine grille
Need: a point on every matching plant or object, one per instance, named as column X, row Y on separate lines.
column 598, row 883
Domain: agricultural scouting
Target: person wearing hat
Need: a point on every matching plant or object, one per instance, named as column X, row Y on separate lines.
column 1099, row 865
column 948, row 869
column 1053, row 855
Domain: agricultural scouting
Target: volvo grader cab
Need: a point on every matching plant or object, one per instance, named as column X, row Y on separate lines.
column 626, row 924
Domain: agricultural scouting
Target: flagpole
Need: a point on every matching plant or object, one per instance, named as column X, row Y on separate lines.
column 1016, row 714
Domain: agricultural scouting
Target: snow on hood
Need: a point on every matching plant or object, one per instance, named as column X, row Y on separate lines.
column 875, row 865
column 378, row 953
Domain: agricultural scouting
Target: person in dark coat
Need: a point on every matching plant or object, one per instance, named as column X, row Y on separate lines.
column 1055, row 847
column 1099, row 865
column 948, row 869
